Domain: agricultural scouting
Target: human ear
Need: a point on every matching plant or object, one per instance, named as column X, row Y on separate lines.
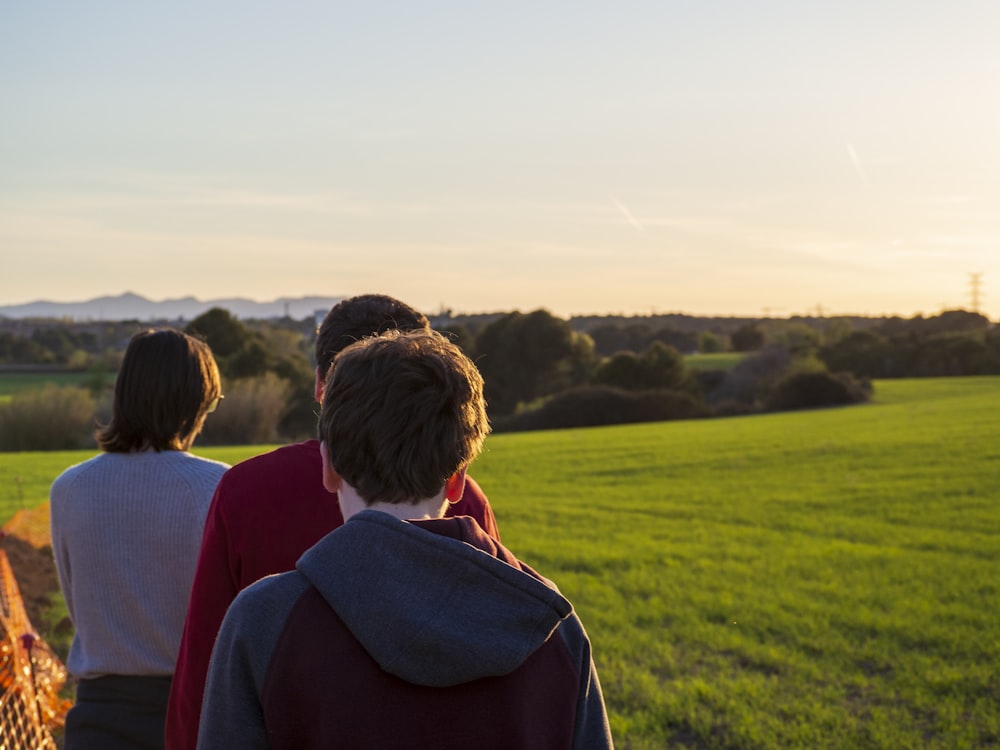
column 454, row 488
column 331, row 479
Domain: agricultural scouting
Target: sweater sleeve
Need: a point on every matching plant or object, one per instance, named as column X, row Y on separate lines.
column 213, row 591
column 60, row 553
column 233, row 712
column 591, row 730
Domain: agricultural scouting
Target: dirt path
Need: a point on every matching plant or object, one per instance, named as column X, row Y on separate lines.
column 25, row 539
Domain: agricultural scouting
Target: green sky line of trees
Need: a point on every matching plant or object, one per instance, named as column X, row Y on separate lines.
column 542, row 371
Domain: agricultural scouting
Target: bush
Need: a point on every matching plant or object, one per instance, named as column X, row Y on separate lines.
column 48, row 419
column 250, row 413
column 865, row 353
column 949, row 354
column 811, row 390
column 592, row 406
column 659, row 367
column 752, row 377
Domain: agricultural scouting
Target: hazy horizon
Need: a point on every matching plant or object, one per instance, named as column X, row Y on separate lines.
column 722, row 158
column 263, row 301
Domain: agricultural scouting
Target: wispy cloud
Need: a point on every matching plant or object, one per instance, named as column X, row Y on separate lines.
column 629, row 216
column 859, row 168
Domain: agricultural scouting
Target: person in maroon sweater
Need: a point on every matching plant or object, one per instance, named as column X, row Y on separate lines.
column 267, row 511
column 403, row 629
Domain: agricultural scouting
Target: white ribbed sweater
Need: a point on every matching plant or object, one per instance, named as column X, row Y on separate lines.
column 126, row 529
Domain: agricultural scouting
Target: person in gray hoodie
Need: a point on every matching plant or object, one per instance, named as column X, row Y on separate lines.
column 402, row 628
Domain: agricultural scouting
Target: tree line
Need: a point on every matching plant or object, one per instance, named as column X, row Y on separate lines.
column 542, row 371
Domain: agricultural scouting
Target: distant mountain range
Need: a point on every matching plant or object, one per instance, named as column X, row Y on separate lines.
column 130, row 306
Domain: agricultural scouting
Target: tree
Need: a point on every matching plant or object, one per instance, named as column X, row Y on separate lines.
column 956, row 353
column 623, row 370
column 709, row 343
column 588, row 406
column 525, row 356
column 797, row 337
column 68, row 347
column 663, row 365
column 659, row 367
column 747, row 338
column 248, row 358
column 20, row 350
column 865, row 353
column 813, row 390
column 224, row 333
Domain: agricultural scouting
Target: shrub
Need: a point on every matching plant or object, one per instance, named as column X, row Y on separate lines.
column 592, row 406
column 811, row 390
column 659, row 367
column 48, row 418
column 752, row 377
column 747, row 338
column 865, row 353
column 250, row 413
column 947, row 354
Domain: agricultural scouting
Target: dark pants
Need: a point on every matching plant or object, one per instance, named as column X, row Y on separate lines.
column 118, row 712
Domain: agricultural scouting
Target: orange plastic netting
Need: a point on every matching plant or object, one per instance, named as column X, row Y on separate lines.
column 31, row 676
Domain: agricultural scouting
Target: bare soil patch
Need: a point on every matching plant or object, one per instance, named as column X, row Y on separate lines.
column 25, row 539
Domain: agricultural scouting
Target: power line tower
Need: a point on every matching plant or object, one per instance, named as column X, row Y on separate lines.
column 975, row 284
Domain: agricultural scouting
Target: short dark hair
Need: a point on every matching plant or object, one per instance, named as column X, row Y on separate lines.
column 402, row 412
column 355, row 318
column 165, row 386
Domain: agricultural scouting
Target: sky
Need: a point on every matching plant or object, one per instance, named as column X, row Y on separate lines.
column 719, row 157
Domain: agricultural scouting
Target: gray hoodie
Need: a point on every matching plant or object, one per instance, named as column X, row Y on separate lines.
column 403, row 634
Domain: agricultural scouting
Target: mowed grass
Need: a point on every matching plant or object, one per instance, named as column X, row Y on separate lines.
column 806, row 580
column 824, row 579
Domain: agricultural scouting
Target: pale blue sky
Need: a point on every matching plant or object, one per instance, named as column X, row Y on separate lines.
column 717, row 157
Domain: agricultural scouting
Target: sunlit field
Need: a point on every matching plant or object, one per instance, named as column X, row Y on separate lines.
column 823, row 579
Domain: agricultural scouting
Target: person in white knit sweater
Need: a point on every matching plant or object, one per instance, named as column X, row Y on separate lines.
column 126, row 529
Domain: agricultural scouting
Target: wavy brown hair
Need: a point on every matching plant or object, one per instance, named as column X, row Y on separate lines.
column 355, row 318
column 165, row 387
column 402, row 412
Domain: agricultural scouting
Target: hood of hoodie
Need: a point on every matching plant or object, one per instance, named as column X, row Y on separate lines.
column 433, row 602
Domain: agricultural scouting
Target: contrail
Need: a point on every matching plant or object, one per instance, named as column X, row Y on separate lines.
column 628, row 215
column 858, row 167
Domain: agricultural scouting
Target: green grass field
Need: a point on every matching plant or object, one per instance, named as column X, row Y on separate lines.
column 716, row 361
column 15, row 382
column 823, row 579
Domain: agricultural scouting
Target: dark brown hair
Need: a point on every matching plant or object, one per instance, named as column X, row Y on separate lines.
column 355, row 318
column 166, row 384
column 402, row 412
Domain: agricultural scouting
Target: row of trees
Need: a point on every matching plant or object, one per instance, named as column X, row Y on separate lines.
column 539, row 371
column 542, row 371
column 970, row 346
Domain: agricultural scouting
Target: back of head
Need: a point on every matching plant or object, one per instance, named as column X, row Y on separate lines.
column 402, row 413
column 353, row 319
column 165, row 387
